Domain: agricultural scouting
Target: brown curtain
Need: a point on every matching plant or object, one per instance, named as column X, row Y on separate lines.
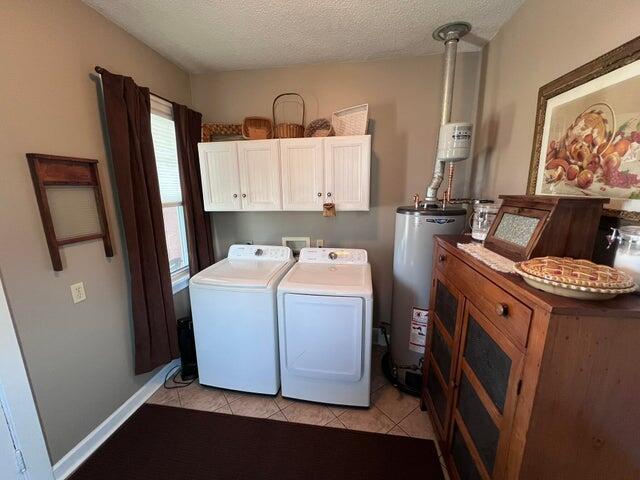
column 127, row 108
column 199, row 234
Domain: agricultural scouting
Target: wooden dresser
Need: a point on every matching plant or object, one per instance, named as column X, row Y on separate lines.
column 521, row 384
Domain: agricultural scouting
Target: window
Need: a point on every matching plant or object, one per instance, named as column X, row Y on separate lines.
column 166, row 150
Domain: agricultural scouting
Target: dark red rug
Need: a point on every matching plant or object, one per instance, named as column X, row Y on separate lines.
column 159, row 443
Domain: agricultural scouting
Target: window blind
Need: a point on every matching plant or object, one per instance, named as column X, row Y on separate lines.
column 164, row 144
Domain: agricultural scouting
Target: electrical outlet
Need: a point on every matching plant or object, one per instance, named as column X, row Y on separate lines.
column 77, row 292
column 319, row 243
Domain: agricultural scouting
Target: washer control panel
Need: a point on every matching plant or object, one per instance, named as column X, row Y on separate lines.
column 260, row 252
column 338, row 256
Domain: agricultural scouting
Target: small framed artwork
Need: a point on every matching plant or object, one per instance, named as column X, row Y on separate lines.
column 587, row 133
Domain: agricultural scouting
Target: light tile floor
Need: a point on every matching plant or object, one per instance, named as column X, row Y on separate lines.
column 392, row 412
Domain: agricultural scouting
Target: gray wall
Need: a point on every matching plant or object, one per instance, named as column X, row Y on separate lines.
column 79, row 357
column 404, row 98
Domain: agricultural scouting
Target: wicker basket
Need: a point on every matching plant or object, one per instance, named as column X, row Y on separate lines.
column 319, row 128
column 288, row 130
column 257, row 128
column 212, row 131
column 351, row 121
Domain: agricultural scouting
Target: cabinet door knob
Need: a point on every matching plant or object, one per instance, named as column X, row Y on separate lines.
column 235, row 195
column 328, row 194
column 502, row 309
column 319, row 194
column 442, row 257
column 244, row 195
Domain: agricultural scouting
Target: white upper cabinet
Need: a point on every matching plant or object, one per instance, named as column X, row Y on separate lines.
column 220, row 176
column 302, row 174
column 259, row 163
column 347, row 165
column 294, row 174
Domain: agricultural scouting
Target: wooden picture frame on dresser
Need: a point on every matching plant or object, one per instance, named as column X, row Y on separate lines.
column 540, row 386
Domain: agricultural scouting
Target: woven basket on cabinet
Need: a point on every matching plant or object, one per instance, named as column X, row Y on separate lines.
column 288, row 130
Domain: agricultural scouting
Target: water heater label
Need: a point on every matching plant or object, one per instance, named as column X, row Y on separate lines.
column 418, row 330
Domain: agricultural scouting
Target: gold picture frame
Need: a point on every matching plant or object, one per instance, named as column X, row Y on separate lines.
column 612, row 61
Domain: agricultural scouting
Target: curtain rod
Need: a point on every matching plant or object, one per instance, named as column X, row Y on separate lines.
column 99, row 70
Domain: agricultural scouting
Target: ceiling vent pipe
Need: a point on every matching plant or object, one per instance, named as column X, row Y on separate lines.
column 450, row 34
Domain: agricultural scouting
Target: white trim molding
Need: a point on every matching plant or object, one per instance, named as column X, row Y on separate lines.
column 180, row 279
column 83, row 450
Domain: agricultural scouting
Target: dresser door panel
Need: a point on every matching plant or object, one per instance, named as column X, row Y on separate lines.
column 479, row 423
column 488, row 361
column 438, row 399
column 441, row 353
column 487, row 379
column 446, row 307
column 464, row 465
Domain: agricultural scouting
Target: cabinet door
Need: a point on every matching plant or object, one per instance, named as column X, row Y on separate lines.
column 447, row 306
column 220, row 177
column 259, row 175
column 302, row 173
column 487, row 387
column 347, row 163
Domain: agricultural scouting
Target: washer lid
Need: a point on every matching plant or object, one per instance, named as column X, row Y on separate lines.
column 328, row 279
column 232, row 272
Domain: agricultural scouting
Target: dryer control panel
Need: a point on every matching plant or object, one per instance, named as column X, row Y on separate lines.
column 338, row 256
column 261, row 252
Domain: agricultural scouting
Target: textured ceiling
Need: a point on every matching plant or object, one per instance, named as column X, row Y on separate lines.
column 206, row 35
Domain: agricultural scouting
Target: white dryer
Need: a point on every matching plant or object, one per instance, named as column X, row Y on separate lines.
column 233, row 305
column 324, row 325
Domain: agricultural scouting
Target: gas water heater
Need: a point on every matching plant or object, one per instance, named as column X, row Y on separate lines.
column 415, row 228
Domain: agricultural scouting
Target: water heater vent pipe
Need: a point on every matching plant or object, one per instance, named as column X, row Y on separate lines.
column 450, row 34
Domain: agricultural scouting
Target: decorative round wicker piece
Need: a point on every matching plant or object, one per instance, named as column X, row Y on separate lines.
column 582, row 273
column 319, row 128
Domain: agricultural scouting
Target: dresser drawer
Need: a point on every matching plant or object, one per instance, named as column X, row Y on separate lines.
column 508, row 314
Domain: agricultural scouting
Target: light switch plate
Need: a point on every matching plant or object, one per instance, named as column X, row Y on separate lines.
column 77, row 292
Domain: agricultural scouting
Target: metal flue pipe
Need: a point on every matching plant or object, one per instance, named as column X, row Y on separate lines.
column 450, row 34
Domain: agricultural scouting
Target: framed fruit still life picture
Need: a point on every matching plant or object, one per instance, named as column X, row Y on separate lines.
column 587, row 133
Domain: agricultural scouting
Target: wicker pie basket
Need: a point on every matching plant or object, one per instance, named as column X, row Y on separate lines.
column 257, row 128
column 212, row 131
column 288, row 130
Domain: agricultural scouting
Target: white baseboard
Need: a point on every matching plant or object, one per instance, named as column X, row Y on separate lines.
column 83, row 450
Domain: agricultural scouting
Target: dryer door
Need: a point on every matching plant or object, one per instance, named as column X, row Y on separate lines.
column 323, row 336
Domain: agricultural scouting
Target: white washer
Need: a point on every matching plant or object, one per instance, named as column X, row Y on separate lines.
column 324, row 324
column 233, row 305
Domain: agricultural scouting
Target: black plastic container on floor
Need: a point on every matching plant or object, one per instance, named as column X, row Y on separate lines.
column 187, row 344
